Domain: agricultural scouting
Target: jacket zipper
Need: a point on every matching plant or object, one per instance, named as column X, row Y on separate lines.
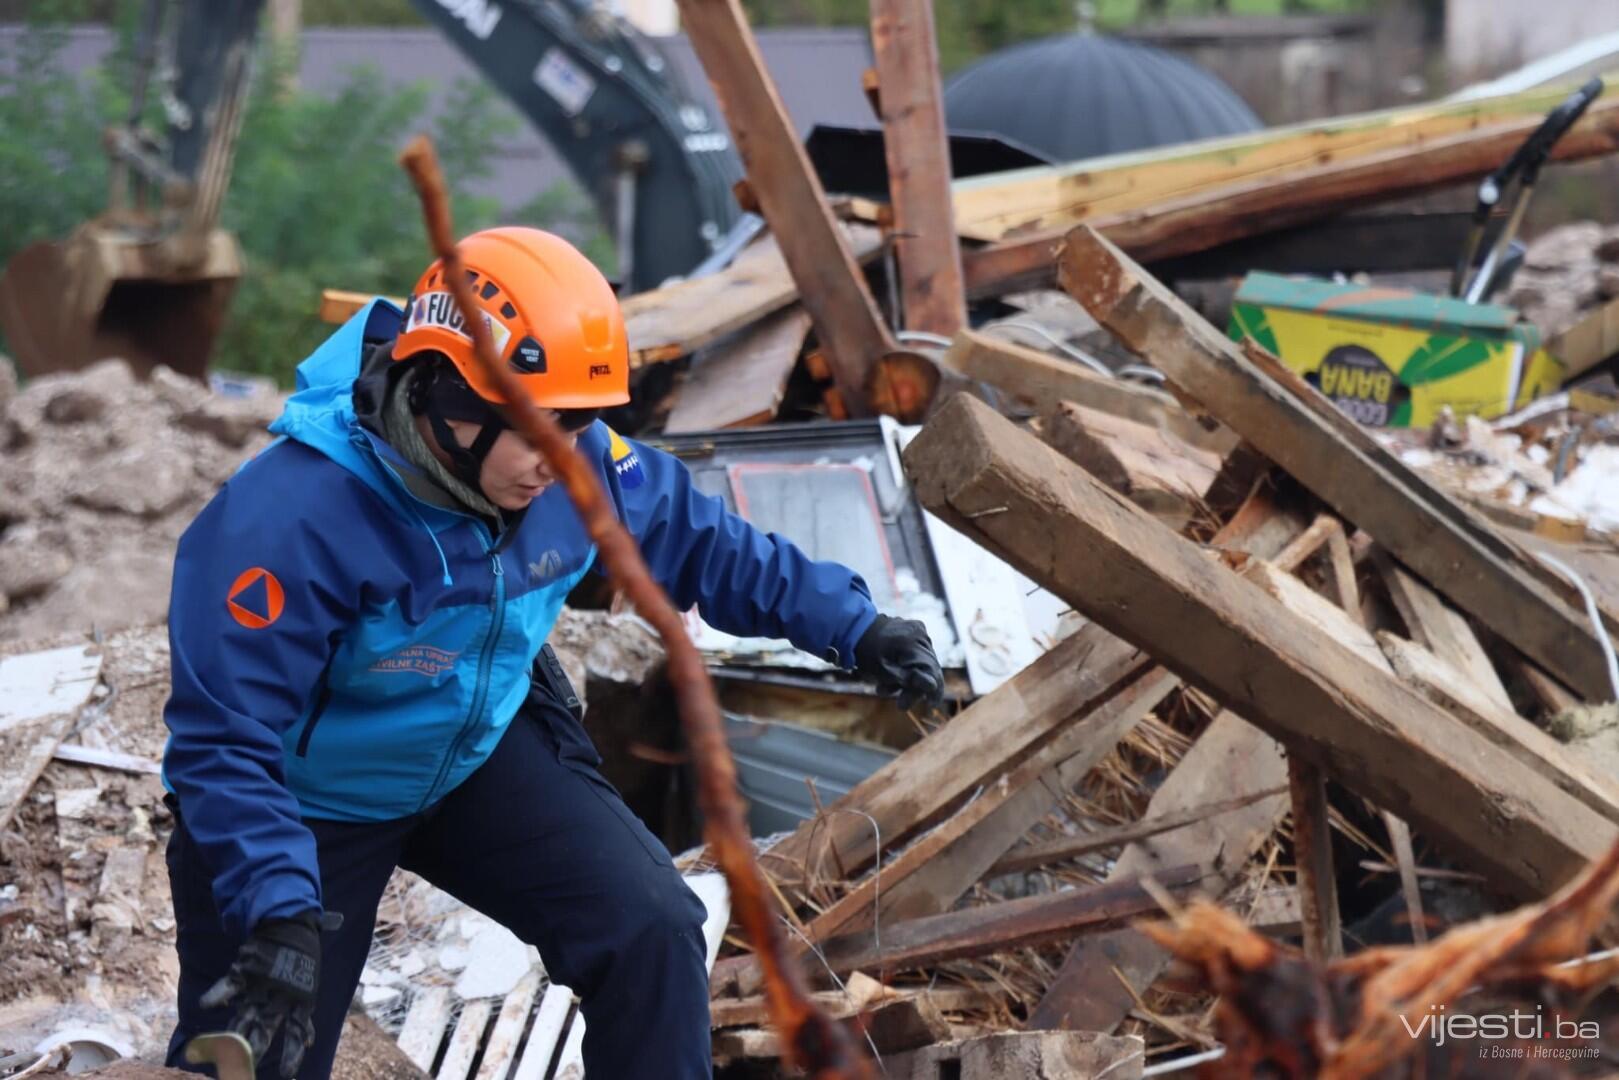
column 323, row 697
column 497, row 603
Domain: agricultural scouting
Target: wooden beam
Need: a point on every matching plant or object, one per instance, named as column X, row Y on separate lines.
column 1043, row 854
column 1209, row 216
column 1112, row 562
column 1348, row 472
column 831, row 285
column 997, row 206
column 991, row 928
column 740, row 382
column 921, row 785
column 1047, row 380
column 911, row 104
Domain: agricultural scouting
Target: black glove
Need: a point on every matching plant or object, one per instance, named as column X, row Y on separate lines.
column 273, row 984
column 899, row 656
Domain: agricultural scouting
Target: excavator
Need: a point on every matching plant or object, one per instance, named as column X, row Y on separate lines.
column 150, row 279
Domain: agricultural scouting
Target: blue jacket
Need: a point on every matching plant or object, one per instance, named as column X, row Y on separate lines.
column 344, row 650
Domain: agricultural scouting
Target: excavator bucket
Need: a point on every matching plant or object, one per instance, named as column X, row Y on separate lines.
column 98, row 294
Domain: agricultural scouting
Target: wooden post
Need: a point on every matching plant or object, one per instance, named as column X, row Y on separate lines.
column 911, row 103
column 1312, row 851
column 847, row 322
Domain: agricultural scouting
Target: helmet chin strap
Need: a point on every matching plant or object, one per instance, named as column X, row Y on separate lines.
column 441, row 396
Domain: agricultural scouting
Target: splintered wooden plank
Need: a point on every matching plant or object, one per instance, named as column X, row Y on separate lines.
column 1231, row 759
column 1048, row 380
column 911, row 104
column 740, row 381
column 1001, row 927
column 1377, row 736
column 921, row 785
column 502, row 1046
column 1057, row 196
column 1204, row 218
column 831, row 284
column 40, row 694
column 1440, row 629
column 424, row 1026
column 464, row 1041
column 1347, row 470
column 682, row 317
column 555, row 1005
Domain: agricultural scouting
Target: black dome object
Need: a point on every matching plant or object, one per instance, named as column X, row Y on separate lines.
column 1084, row 95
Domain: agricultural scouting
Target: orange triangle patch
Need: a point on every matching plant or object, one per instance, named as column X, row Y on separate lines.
column 255, row 598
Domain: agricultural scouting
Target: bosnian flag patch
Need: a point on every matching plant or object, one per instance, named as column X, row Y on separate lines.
column 625, row 462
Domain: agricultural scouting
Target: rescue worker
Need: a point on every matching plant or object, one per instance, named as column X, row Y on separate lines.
column 354, row 624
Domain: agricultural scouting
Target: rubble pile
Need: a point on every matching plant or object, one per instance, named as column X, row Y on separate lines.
column 100, row 474
column 1567, row 271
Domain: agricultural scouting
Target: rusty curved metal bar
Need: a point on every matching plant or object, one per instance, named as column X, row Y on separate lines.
column 810, row 1040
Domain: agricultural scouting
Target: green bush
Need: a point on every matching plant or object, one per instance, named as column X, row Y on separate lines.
column 317, row 198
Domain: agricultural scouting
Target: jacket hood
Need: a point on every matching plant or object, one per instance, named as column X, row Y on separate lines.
column 336, row 406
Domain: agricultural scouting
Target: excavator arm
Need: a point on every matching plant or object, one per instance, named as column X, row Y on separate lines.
column 149, row 279
column 658, row 168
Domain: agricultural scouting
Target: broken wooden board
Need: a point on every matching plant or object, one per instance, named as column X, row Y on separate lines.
column 1205, row 218
column 1349, row 472
column 740, row 381
column 911, row 106
column 1440, row 629
column 1048, row 518
column 1046, row 380
column 1052, row 197
column 1231, row 759
column 1003, row 926
column 1000, row 816
column 921, row 785
column 40, row 695
column 684, row 316
column 833, row 288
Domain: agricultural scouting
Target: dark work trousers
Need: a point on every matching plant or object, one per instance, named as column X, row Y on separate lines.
column 539, row 842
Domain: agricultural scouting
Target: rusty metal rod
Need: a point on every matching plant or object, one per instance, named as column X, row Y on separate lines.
column 810, row 1040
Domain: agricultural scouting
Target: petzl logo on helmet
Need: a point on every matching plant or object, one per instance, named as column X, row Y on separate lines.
column 255, row 598
column 439, row 309
column 625, row 462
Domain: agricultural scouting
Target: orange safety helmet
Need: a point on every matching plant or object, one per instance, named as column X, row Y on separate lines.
column 552, row 315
